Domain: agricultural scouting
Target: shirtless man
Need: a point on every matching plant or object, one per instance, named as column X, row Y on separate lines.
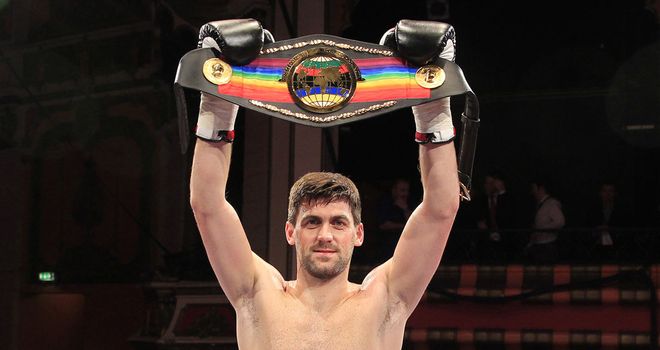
column 321, row 309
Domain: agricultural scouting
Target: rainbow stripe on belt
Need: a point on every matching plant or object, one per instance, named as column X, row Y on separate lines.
column 384, row 79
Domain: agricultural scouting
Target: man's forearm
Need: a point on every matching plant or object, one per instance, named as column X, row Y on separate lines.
column 210, row 170
column 215, row 132
column 439, row 178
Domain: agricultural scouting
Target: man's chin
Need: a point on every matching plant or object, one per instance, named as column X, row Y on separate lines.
column 324, row 272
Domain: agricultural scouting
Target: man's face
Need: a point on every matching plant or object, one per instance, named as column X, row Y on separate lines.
column 324, row 237
column 499, row 185
column 607, row 193
column 401, row 190
column 535, row 191
column 489, row 185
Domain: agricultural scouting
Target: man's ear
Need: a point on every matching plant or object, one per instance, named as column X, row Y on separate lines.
column 359, row 235
column 289, row 231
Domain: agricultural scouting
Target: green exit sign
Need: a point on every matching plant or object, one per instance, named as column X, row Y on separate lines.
column 47, row 276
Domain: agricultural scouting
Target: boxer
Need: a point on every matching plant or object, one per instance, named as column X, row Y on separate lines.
column 322, row 309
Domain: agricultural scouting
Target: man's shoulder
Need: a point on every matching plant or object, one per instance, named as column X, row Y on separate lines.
column 267, row 275
column 554, row 201
column 376, row 277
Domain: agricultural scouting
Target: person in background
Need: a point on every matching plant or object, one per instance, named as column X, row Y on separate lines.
column 395, row 209
column 497, row 213
column 392, row 214
column 606, row 215
column 548, row 219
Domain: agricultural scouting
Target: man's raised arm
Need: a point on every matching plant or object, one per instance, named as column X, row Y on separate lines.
column 222, row 233
column 423, row 240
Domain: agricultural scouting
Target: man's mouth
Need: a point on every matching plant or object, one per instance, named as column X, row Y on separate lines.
column 324, row 251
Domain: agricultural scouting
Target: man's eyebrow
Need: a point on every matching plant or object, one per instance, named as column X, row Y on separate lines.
column 341, row 216
column 309, row 216
column 334, row 217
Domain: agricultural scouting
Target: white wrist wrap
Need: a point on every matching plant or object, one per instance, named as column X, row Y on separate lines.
column 435, row 118
column 449, row 52
column 215, row 116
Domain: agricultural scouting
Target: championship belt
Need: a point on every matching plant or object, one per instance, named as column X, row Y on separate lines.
column 322, row 81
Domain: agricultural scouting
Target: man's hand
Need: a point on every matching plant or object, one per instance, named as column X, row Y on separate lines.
column 420, row 42
column 216, row 119
column 433, row 122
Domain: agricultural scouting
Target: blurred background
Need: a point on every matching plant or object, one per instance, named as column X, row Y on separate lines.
column 100, row 247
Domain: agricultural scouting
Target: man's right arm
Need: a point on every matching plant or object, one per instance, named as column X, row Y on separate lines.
column 223, row 235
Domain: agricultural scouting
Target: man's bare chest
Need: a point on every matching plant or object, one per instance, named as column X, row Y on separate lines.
column 286, row 323
column 311, row 330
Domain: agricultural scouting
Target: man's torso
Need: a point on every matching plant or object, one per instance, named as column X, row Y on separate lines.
column 275, row 319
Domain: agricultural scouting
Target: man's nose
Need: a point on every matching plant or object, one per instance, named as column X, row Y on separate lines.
column 325, row 233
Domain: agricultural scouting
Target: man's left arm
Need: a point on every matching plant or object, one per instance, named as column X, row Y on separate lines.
column 423, row 240
column 556, row 219
column 424, row 237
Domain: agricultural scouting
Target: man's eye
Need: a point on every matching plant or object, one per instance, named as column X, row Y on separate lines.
column 340, row 223
column 312, row 222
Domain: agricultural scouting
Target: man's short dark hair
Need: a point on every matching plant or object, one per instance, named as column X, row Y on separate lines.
column 545, row 182
column 323, row 188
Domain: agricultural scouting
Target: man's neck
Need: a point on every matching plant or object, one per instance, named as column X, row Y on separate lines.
column 542, row 197
column 322, row 295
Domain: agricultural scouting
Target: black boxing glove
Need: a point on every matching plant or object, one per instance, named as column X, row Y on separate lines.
column 420, row 42
column 238, row 40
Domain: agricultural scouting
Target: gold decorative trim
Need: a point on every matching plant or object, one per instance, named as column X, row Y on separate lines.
column 320, row 120
column 328, row 43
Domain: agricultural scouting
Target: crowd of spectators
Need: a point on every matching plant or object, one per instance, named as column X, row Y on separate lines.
column 530, row 226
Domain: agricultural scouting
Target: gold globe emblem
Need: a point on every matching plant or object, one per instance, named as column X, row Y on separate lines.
column 321, row 80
